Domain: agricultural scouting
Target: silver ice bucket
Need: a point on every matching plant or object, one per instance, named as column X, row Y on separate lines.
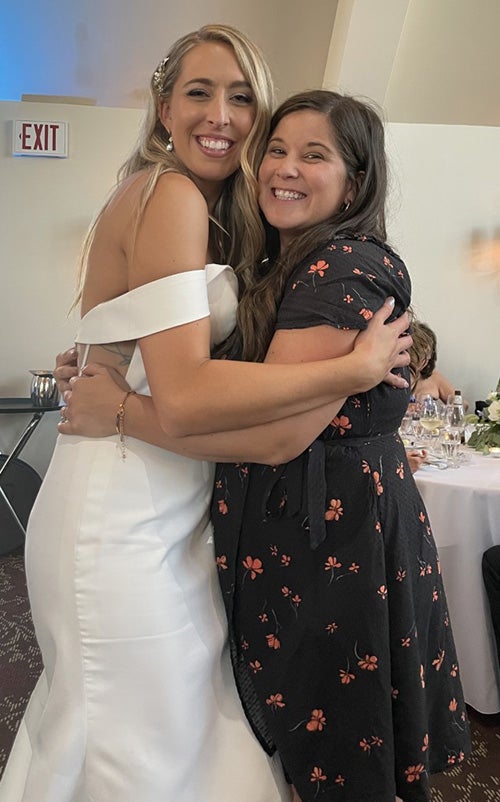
column 44, row 391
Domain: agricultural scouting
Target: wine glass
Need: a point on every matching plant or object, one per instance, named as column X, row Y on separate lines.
column 432, row 417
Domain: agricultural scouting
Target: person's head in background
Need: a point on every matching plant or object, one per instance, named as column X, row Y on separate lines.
column 324, row 173
column 423, row 352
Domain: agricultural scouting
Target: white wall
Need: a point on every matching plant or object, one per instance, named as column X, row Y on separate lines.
column 46, row 205
column 446, row 187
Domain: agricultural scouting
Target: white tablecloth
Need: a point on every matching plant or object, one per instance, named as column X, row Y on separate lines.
column 464, row 510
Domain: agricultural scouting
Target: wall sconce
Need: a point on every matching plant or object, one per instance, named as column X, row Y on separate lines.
column 484, row 252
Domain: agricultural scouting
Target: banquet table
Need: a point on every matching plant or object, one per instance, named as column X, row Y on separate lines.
column 463, row 505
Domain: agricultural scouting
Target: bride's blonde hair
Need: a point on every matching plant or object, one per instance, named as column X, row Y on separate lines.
column 236, row 231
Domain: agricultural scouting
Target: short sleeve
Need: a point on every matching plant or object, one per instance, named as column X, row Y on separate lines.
column 342, row 284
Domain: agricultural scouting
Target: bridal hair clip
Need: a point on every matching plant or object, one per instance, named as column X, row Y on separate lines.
column 159, row 76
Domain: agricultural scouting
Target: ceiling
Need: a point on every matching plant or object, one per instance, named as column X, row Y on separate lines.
column 429, row 61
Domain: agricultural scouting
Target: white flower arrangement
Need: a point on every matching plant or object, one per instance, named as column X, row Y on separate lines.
column 486, row 435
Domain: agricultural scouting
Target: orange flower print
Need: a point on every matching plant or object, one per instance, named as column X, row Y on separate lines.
column 317, row 721
column 221, row 562
column 347, row 248
column 376, row 740
column 382, row 591
column 365, row 745
column 286, row 591
column 274, row 550
column 378, row 527
column 413, row 773
column 365, row 467
column 254, row 566
column 453, row 705
column 244, row 645
column 401, row 575
column 369, row 662
column 319, row 268
column 256, row 666
column 348, row 299
column 222, row 507
column 422, row 517
column 273, row 642
column 218, row 484
column 357, row 271
column 263, row 618
column 387, row 262
column 317, row 775
column 285, row 560
column 275, row 701
column 356, row 402
column 354, row 568
column 400, row 471
column 335, row 510
column 435, row 595
column 341, row 423
column 332, row 563
column 425, row 744
column 366, row 313
column 405, row 642
column 438, row 662
column 296, row 599
column 331, row 628
column 346, row 677
column 394, row 693
column 454, row 670
column 378, row 484
column 340, row 780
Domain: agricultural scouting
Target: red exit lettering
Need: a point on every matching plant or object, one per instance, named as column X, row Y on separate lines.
column 39, row 136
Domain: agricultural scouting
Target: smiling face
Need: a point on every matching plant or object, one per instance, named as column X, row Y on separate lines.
column 209, row 114
column 302, row 178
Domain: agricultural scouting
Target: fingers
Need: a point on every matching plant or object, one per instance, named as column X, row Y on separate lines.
column 402, row 360
column 386, row 310
column 404, row 342
column 393, row 380
column 68, row 357
column 65, row 368
column 94, row 369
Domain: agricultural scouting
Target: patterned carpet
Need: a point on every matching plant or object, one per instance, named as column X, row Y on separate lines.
column 476, row 780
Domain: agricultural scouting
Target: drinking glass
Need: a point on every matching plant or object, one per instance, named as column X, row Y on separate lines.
column 450, row 440
column 432, row 418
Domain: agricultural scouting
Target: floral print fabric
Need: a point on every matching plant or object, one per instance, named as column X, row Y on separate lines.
column 340, row 635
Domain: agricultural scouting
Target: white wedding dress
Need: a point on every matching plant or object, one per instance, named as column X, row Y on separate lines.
column 137, row 701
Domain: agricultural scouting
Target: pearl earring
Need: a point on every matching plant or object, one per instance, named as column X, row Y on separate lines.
column 170, row 144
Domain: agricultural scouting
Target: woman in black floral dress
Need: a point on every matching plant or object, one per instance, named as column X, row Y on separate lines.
column 340, row 635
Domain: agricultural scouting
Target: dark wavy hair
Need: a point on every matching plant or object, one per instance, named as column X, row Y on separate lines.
column 358, row 133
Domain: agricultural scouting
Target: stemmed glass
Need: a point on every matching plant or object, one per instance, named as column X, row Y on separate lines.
column 432, row 417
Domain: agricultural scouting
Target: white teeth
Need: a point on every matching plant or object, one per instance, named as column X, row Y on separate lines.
column 214, row 144
column 287, row 194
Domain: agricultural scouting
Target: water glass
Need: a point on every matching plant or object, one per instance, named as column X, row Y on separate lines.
column 450, row 446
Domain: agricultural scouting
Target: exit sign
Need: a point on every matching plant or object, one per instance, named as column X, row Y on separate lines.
column 36, row 138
